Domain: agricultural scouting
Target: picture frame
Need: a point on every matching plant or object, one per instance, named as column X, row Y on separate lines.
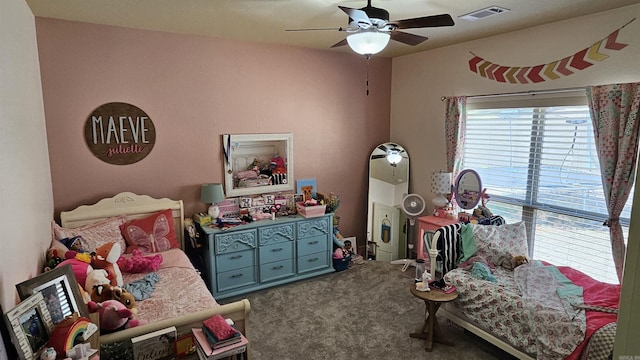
column 30, row 326
column 307, row 187
column 59, row 289
column 266, row 153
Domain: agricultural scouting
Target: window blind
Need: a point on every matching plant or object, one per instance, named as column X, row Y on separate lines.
column 537, row 158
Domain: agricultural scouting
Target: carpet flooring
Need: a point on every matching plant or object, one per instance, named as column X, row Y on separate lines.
column 364, row 312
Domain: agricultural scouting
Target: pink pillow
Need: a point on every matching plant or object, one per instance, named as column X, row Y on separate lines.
column 139, row 263
column 93, row 235
column 153, row 233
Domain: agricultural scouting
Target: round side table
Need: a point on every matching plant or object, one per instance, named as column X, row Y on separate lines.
column 432, row 301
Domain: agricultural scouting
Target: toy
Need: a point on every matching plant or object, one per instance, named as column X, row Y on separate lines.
column 80, row 269
column 96, row 277
column 74, row 243
column 106, row 257
column 103, row 292
column 138, row 263
column 114, row 316
column 519, row 260
column 48, row 354
column 53, row 259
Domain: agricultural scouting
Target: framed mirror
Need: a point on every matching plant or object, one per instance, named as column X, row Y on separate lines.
column 388, row 184
column 468, row 189
column 257, row 163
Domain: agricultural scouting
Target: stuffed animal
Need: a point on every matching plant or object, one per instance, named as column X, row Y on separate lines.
column 53, row 259
column 114, row 316
column 103, row 292
column 106, row 257
column 96, row 277
column 80, row 269
column 519, row 260
column 139, row 263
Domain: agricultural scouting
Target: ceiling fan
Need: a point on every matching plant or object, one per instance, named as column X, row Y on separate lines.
column 393, row 154
column 370, row 29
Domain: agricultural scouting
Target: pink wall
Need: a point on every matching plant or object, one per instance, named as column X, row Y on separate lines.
column 197, row 88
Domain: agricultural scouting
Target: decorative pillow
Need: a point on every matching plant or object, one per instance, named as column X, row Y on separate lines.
column 153, row 233
column 138, row 263
column 93, row 235
column 493, row 241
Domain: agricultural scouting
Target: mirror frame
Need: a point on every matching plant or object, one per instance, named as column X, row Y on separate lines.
column 239, row 150
column 472, row 203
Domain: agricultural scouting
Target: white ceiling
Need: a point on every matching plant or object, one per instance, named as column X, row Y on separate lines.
column 265, row 21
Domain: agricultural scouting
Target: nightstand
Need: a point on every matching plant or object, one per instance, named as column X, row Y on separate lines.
column 430, row 223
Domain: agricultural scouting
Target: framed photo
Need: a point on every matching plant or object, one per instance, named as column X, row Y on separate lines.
column 29, row 325
column 59, row 289
column 307, row 187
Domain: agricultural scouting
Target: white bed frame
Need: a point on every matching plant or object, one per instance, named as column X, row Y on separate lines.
column 455, row 316
column 138, row 206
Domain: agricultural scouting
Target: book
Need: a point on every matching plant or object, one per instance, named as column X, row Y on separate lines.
column 206, row 352
column 154, row 345
column 215, row 343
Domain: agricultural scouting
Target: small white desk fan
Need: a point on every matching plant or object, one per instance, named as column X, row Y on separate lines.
column 412, row 205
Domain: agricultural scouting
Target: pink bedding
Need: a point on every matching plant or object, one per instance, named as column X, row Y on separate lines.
column 179, row 291
column 548, row 328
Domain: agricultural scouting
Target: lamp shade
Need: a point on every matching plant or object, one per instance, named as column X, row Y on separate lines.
column 440, row 184
column 368, row 42
column 211, row 193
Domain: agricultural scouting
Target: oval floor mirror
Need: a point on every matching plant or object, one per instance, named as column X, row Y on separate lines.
column 388, row 184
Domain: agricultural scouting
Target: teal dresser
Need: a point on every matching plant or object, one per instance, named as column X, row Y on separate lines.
column 266, row 253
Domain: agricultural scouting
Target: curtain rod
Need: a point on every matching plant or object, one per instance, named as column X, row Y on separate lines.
column 529, row 92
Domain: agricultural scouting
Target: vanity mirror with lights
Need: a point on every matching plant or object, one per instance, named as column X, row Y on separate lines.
column 388, row 184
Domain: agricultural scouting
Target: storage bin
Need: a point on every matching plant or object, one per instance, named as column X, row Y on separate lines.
column 310, row 211
column 341, row 264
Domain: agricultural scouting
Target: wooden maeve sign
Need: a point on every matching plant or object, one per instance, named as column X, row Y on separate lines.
column 119, row 133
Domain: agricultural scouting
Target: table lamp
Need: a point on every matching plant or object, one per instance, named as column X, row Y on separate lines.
column 212, row 194
column 440, row 185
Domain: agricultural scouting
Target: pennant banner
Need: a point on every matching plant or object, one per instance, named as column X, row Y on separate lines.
column 553, row 70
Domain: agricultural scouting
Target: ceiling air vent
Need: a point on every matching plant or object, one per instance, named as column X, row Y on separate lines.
column 483, row 13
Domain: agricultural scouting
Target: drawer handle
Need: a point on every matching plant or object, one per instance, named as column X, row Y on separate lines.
column 277, row 267
column 236, row 276
column 276, row 250
column 313, row 259
column 235, row 257
column 313, row 242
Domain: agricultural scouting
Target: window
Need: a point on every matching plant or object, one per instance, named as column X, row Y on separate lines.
column 538, row 160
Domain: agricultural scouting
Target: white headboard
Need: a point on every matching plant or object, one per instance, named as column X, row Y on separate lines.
column 125, row 203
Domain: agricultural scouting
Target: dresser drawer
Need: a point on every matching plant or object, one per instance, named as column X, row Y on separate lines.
column 235, row 241
column 312, row 245
column 313, row 227
column 236, row 278
column 312, row 262
column 236, row 260
column 276, row 270
column 276, row 252
column 275, row 234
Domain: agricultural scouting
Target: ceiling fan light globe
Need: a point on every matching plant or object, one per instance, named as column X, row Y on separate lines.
column 394, row 157
column 368, row 42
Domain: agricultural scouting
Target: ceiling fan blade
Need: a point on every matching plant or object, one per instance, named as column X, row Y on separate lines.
column 383, row 148
column 407, row 38
column 342, row 42
column 378, row 156
column 425, row 21
column 357, row 15
column 317, row 29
